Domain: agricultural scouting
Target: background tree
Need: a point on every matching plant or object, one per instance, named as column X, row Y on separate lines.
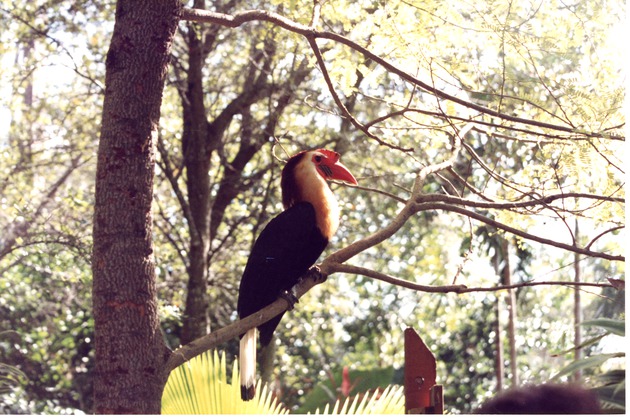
column 222, row 131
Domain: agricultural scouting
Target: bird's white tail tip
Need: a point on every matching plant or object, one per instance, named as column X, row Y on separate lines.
column 247, row 360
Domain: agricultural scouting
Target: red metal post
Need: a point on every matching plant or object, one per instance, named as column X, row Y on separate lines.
column 420, row 376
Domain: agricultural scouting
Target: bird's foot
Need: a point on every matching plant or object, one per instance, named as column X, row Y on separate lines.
column 316, row 272
column 290, row 297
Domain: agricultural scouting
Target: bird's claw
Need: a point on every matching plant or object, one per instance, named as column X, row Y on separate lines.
column 316, row 272
column 290, row 297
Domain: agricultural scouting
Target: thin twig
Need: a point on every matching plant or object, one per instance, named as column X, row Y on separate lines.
column 240, row 18
column 454, row 288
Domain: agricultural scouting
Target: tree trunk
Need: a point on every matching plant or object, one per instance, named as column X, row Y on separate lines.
column 577, row 307
column 22, row 133
column 196, row 149
column 130, row 350
column 506, row 276
column 498, row 361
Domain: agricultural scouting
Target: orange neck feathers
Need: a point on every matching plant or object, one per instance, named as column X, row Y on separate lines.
column 302, row 182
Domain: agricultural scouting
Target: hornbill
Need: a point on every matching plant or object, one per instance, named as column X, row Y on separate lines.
column 288, row 246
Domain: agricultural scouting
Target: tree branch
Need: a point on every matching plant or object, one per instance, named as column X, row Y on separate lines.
column 403, row 215
column 240, row 18
column 172, row 177
column 361, row 271
column 17, row 229
column 239, row 327
column 415, row 203
column 455, row 288
column 449, row 199
column 346, row 114
column 517, row 232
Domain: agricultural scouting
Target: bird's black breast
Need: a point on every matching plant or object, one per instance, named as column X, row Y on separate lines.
column 286, row 248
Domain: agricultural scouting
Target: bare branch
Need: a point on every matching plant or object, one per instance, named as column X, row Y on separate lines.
column 361, row 271
column 311, row 34
column 172, row 176
column 239, row 327
column 346, row 114
column 517, row 204
column 602, row 234
column 170, row 232
column 374, row 190
column 376, row 238
column 210, row 341
column 75, row 66
column 517, row 232
column 22, row 228
column 455, row 288
column 403, row 215
column 317, row 8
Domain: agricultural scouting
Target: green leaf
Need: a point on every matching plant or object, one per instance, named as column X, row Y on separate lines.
column 200, row 387
column 613, row 326
column 362, row 380
column 583, row 344
column 612, row 396
column 589, row 362
column 390, row 401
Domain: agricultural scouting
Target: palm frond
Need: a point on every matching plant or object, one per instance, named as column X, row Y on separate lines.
column 390, row 401
column 200, row 386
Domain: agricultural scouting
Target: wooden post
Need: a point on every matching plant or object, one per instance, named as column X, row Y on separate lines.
column 422, row 395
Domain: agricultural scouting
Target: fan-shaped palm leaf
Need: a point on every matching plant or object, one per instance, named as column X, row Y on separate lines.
column 390, row 401
column 200, row 386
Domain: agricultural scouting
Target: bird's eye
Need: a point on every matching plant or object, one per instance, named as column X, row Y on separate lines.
column 318, row 158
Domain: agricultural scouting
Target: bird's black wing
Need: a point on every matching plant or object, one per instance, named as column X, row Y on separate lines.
column 286, row 248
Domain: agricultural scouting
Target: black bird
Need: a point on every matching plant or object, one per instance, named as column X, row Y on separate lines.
column 288, row 246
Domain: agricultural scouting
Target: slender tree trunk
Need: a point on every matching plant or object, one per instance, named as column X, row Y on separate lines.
column 577, row 307
column 21, row 133
column 26, row 144
column 197, row 151
column 498, row 360
column 507, row 280
column 130, row 350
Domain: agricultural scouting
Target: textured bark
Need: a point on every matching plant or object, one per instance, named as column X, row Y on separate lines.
column 130, row 350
